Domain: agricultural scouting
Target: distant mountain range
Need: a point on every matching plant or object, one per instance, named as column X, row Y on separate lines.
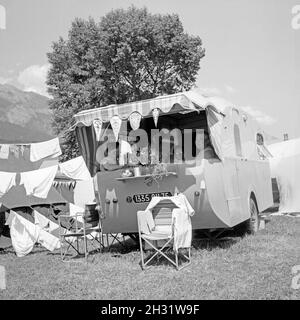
column 24, row 116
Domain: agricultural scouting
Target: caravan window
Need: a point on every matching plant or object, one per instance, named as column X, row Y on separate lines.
column 262, row 151
column 237, row 141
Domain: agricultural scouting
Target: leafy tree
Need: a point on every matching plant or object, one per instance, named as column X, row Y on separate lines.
column 129, row 55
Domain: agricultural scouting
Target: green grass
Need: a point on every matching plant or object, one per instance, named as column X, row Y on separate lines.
column 253, row 267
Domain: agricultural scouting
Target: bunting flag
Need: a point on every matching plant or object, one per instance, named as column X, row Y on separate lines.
column 135, row 120
column 155, row 114
column 67, row 184
column 115, row 123
column 97, row 123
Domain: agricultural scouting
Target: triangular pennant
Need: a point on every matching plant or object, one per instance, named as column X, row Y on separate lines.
column 135, row 120
column 97, row 123
column 116, row 122
column 155, row 114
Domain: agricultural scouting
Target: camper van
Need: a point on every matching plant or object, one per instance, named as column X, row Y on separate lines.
column 229, row 186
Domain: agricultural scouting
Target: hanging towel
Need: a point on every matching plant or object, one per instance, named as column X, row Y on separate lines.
column 44, row 223
column 45, row 149
column 75, row 169
column 181, row 218
column 7, row 180
column 24, row 234
column 38, row 182
column 4, row 151
column 48, row 240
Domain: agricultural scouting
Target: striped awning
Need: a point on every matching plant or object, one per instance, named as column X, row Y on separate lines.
column 144, row 108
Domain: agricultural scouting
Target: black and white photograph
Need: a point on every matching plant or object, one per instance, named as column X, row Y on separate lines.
column 149, row 151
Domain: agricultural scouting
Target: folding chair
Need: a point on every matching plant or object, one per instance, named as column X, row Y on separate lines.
column 156, row 229
column 79, row 229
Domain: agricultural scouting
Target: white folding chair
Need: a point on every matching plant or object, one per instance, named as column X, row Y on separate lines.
column 156, row 230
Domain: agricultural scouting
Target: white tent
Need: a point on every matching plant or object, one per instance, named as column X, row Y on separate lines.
column 285, row 167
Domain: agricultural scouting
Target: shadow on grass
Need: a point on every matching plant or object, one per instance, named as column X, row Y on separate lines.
column 160, row 260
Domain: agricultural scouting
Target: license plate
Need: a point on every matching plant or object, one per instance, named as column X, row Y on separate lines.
column 146, row 197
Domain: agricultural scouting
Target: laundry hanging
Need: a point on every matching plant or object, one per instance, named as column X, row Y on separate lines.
column 24, row 234
column 44, row 223
column 7, row 181
column 4, row 151
column 38, row 182
column 45, row 149
column 75, row 169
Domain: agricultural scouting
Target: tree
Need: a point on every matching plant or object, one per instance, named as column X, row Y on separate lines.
column 129, row 55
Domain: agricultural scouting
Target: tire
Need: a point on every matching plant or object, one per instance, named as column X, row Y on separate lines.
column 249, row 226
column 253, row 222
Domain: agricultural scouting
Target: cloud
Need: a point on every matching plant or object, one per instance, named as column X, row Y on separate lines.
column 260, row 116
column 33, row 79
column 229, row 88
column 209, row 91
column 5, row 80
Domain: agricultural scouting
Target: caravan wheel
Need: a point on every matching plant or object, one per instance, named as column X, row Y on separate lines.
column 253, row 221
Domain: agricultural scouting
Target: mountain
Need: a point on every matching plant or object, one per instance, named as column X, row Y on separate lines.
column 24, row 116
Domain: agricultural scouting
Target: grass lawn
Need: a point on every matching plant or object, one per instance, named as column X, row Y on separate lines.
column 253, row 267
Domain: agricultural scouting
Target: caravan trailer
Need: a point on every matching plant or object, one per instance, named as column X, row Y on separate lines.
column 228, row 187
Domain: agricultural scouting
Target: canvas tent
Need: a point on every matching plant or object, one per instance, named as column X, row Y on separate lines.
column 285, row 167
column 16, row 197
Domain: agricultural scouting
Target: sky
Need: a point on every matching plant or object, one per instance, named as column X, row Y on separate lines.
column 252, row 48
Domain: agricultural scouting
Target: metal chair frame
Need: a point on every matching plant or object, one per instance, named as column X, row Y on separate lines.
column 155, row 236
column 80, row 233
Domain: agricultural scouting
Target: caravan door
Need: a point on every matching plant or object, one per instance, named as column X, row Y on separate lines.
column 232, row 188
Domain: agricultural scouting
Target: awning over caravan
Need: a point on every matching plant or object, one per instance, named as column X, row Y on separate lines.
column 176, row 102
column 92, row 123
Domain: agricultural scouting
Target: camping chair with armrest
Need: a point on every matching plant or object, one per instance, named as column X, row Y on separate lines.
column 77, row 229
column 156, row 230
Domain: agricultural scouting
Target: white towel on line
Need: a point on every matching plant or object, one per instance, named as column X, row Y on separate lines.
column 4, row 151
column 38, row 182
column 75, row 169
column 41, row 150
column 44, row 223
column 24, row 234
column 7, row 180
column 48, row 240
